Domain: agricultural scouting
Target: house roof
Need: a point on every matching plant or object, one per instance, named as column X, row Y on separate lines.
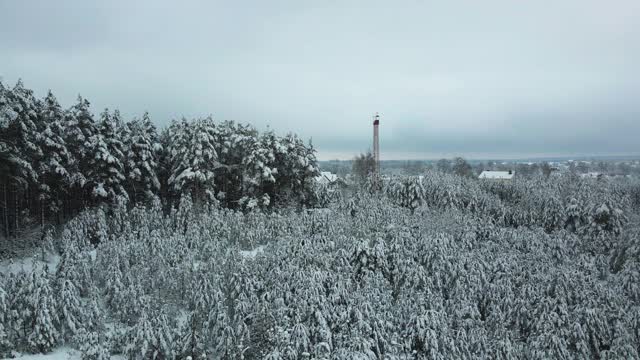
column 504, row 175
column 326, row 177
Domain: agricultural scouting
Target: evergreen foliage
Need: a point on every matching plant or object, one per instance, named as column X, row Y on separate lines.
column 55, row 163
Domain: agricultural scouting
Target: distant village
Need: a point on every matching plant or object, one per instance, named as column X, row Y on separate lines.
column 341, row 171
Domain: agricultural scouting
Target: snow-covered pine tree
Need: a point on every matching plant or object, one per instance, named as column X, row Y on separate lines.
column 191, row 341
column 300, row 339
column 44, row 334
column 141, row 339
column 408, row 192
column 194, row 160
column 80, row 127
column 105, row 173
column 19, row 142
column 259, row 171
column 92, row 347
column 22, row 129
column 233, row 143
column 141, row 164
column 11, row 164
column 5, row 344
column 70, row 309
column 604, row 222
column 55, row 165
column 296, row 169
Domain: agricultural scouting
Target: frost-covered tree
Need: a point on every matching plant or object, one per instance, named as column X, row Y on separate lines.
column 43, row 335
column 106, row 178
column 193, row 159
column 363, row 166
column 21, row 149
column 407, row 192
column 80, row 129
column 56, row 165
column 141, row 162
column 5, row 344
column 92, row 347
column 461, row 167
column 603, row 221
column 70, row 310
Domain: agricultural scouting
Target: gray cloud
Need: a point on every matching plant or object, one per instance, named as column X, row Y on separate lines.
column 491, row 78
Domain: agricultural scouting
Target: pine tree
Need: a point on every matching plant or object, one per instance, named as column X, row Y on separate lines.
column 22, row 129
column 5, row 345
column 143, row 343
column 80, row 128
column 141, row 163
column 55, row 165
column 105, row 174
column 92, row 348
column 194, row 160
column 44, row 334
column 191, row 341
column 408, row 192
column 70, row 309
column 19, row 142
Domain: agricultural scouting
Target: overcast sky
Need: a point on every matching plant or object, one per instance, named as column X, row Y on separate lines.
column 482, row 79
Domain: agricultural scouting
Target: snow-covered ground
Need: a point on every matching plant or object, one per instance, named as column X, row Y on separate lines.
column 62, row 353
column 57, row 354
column 14, row 266
column 250, row 254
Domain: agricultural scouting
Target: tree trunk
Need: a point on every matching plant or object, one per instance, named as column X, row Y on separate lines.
column 16, row 211
column 42, row 202
column 5, row 212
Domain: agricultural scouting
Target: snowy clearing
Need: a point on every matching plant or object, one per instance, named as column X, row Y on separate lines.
column 14, row 266
column 62, row 353
column 250, row 254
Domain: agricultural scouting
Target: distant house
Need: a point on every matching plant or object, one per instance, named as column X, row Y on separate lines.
column 592, row 175
column 327, row 177
column 497, row 175
column 597, row 175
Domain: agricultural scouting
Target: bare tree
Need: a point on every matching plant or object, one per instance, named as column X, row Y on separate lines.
column 363, row 166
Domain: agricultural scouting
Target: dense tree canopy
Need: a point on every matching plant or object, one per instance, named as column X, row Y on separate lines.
column 56, row 162
column 446, row 267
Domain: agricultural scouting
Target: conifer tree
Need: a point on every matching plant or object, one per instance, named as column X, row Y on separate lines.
column 80, row 129
column 5, row 345
column 106, row 169
column 141, row 160
column 56, row 163
column 44, row 334
column 70, row 309
column 194, row 160
column 92, row 348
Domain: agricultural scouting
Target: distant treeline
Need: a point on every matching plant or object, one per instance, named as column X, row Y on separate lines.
column 54, row 162
column 526, row 169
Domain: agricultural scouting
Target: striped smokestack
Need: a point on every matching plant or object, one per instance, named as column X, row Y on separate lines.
column 376, row 145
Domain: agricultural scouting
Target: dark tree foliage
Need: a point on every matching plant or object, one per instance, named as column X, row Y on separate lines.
column 479, row 271
column 363, row 166
column 54, row 162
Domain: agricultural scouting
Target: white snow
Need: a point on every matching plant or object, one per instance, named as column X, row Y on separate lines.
column 14, row 266
column 61, row 353
column 500, row 175
column 250, row 254
column 326, row 177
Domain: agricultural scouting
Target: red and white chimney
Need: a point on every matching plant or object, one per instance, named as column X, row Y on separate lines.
column 376, row 144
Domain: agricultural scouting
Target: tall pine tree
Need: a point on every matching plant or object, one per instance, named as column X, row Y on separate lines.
column 106, row 178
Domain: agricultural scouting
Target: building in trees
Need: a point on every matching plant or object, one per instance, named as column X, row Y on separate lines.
column 497, row 175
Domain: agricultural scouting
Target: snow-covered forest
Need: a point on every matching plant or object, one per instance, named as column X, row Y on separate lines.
column 211, row 240
column 56, row 162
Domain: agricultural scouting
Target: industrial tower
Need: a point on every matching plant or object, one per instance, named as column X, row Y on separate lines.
column 376, row 146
